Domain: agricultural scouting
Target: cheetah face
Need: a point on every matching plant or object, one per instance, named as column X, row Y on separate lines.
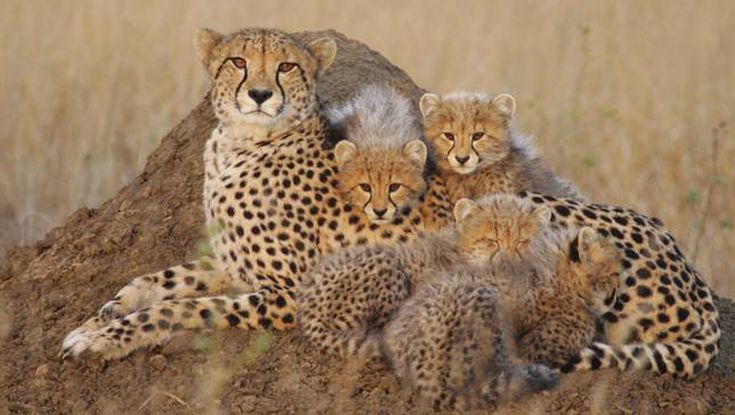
column 382, row 182
column 467, row 131
column 262, row 77
column 499, row 228
column 595, row 265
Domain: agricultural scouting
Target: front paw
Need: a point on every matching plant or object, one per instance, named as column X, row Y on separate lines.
column 76, row 342
column 112, row 310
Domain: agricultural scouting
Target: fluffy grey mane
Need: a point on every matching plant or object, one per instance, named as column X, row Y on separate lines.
column 377, row 117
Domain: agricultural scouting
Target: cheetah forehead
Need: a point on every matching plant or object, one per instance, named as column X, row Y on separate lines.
column 266, row 39
column 468, row 97
column 505, row 204
column 377, row 117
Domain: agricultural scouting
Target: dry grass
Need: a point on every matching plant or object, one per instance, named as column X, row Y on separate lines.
column 623, row 96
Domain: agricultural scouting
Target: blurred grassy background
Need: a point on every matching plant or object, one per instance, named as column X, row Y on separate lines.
column 623, row 96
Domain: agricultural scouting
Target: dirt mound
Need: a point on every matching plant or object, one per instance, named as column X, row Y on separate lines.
column 49, row 288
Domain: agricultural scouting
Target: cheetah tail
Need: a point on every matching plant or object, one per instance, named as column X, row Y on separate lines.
column 685, row 359
column 522, row 380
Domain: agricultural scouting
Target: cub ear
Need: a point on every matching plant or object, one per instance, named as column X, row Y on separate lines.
column 593, row 248
column 323, row 50
column 428, row 103
column 505, row 104
column 542, row 214
column 463, row 208
column 416, row 151
column 204, row 42
column 344, row 151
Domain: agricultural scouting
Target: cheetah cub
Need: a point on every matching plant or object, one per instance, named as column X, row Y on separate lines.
column 456, row 341
column 478, row 151
column 382, row 158
column 449, row 345
column 350, row 295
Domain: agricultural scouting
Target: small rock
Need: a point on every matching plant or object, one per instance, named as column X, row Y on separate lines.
column 158, row 361
column 125, row 205
column 42, row 371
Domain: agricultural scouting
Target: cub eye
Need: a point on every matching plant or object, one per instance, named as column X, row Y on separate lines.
column 239, row 63
column 286, row 67
column 365, row 187
column 394, row 187
column 492, row 242
column 478, row 135
column 449, row 136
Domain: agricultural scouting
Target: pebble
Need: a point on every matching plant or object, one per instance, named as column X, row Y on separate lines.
column 158, row 361
column 42, row 371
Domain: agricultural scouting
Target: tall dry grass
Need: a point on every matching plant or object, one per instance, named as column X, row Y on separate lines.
column 623, row 96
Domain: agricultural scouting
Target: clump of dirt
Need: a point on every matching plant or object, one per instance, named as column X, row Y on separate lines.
column 49, row 288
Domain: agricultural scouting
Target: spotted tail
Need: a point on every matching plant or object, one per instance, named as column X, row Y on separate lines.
column 684, row 359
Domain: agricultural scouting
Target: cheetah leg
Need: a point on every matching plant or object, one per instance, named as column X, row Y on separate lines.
column 555, row 340
column 196, row 278
column 156, row 324
column 199, row 277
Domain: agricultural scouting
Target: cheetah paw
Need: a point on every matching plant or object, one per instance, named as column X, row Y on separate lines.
column 78, row 340
column 75, row 343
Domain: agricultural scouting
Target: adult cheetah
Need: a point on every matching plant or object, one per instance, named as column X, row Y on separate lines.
column 271, row 200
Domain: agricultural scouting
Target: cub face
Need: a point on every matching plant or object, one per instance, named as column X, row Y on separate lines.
column 498, row 228
column 382, row 182
column 594, row 267
column 262, row 77
column 467, row 131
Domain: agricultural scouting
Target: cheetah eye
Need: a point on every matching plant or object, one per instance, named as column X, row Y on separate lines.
column 449, row 136
column 394, row 187
column 365, row 187
column 492, row 242
column 286, row 67
column 239, row 63
column 478, row 135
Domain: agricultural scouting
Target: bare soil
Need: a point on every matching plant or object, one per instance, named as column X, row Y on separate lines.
column 49, row 288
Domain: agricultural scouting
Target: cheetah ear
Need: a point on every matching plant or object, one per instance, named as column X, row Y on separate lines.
column 344, row 151
column 416, row 151
column 543, row 214
column 505, row 104
column 463, row 208
column 204, row 42
column 428, row 103
column 323, row 50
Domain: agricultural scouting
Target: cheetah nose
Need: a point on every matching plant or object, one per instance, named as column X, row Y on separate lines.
column 462, row 160
column 379, row 212
column 260, row 95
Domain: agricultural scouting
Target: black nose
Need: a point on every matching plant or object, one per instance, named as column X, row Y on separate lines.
column 462, row 160
column 379, row 212
column 260, row 95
